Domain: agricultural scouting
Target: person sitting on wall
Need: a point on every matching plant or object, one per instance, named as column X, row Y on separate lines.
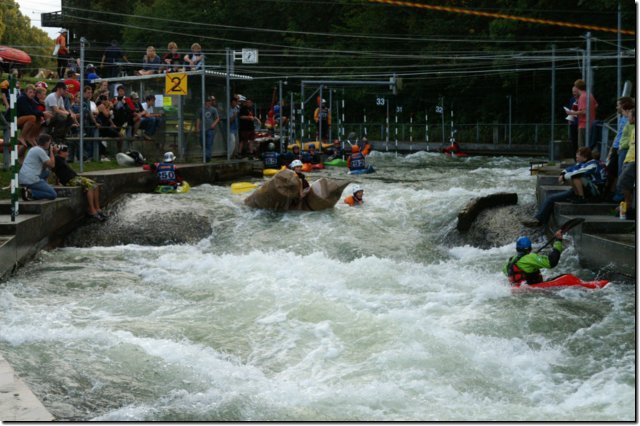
column 271, row 158
column 68, row 177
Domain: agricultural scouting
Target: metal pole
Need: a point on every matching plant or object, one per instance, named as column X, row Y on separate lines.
column 81, row 153
column 442, row 117
column 619, row 58
column 509, row 96
column 452, row 132
column 281, row 109
column 587, row 131
column 13, row 98
column 553, row 103
column 411, row 132
column 329, row 112
column 396, row 129
column 180, row 128
column 426, row 130
column 292, row 121
column 228, row 106
column 387, row 126
column 364, row 112
column 203, row 131
column 301, row 113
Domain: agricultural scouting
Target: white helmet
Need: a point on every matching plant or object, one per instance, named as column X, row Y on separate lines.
column 169, row 157
column 357, row 188
column 295, row 163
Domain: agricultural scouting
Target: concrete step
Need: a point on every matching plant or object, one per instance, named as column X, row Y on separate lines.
column 36, row 206
column 543, row 191
column 617, row 251
column 583, row 210
column 7, row 227
column 602, row 224
column 547, row 180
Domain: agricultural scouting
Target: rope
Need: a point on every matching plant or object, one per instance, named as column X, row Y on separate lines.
column 501, row 16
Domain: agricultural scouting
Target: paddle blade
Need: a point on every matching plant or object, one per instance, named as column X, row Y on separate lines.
column 240, row 187
column 570, row 224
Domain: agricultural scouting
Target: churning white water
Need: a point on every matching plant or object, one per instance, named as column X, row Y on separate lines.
column 348, row 314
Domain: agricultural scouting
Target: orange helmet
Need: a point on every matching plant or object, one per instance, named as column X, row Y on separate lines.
column 355, row 148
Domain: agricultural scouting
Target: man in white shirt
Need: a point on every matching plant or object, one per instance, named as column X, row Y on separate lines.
column 62, row 118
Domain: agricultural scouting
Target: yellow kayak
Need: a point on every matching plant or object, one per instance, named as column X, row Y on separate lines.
column 240, row 187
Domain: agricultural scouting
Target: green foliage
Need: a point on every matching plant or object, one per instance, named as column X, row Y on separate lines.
column 16, row 31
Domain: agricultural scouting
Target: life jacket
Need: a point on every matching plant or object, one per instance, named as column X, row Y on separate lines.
column 166, row 173
column 270, row 159
column 517, row 275
column 353, row 201
column 357, row 162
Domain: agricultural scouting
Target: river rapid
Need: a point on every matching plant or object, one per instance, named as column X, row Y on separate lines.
column 367, row 313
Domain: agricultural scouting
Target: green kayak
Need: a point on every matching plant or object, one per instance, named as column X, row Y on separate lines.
column 336, row 162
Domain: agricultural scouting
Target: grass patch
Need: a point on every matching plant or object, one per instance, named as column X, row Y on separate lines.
column 90, row 166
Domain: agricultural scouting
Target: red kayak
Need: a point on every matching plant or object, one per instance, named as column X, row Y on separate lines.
column 567, row 280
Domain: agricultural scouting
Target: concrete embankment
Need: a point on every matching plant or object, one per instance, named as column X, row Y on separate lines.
column 42, row 224
column 604, row 242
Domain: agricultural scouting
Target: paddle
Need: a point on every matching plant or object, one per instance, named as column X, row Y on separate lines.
column 240, row 187
column 568, row 225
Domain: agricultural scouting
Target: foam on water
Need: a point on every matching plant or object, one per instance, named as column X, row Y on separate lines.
column 351, row 314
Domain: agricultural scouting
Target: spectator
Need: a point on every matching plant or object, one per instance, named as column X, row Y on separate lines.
column 62, row 119
column 172, row 60
column 246, row 127
column 107, row 128
column 91, row 74
column 295, row 154
column 194, row 59
column 151, row 118
column 572, row 121
column 586, row 178
column 30, row 119
column 233, row 127
column 61, row 52
column 91, row 125
column 151, row 62
column 211, row 121
column 102, row 89
column 614, row 161
column 627, row 178
column 581, row 113
column 627, row 132
column 111, row 57
column 73, row 85
column 122, row 109
column 68, row 177
column 34, row 171
column 322, row 117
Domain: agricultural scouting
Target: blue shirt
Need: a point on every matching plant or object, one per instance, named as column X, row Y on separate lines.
column 623, row 122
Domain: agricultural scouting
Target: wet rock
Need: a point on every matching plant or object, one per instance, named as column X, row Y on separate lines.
column 500, row 226
column 471, row 211
column 135, row 220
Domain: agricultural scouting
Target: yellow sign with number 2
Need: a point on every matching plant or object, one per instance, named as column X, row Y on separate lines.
column 175, row 84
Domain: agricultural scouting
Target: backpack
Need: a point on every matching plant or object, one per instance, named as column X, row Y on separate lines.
column 137, row 157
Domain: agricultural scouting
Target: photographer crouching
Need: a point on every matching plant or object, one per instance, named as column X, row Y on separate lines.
column 35, row 170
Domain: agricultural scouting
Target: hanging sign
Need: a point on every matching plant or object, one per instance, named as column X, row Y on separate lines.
column 175, row 84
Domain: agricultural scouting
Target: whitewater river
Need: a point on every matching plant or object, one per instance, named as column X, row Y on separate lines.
column 347, row 314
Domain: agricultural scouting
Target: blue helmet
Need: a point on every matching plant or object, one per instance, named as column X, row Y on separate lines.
column 523, row 244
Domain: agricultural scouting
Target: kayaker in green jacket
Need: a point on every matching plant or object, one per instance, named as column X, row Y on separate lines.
column 525, row 266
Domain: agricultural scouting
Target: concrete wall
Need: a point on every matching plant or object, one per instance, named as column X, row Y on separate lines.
column 45, row 223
